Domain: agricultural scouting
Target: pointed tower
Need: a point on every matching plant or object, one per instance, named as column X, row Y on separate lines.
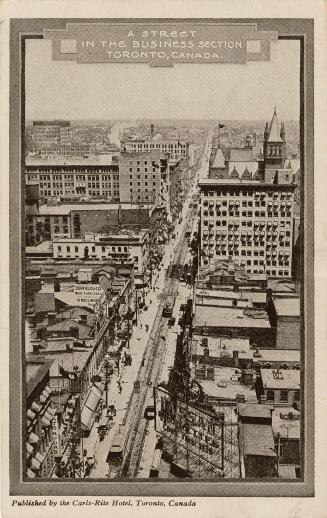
column 274, row 145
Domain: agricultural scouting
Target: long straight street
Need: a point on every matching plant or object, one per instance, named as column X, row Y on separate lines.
column 148, row 349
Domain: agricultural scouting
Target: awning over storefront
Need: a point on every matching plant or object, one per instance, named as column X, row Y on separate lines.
column 35, row 464
column 88, row 411
column 45, row 421
column 35, row 407
column 29, row 448
column 30, row 414
column 45, row 394
column 39, row 457
column 33, row 439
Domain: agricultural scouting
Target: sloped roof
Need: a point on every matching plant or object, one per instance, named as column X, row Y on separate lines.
column 257, row 440
column 254, row 410
column 241, row 155
column 219, row 160
column 274, row 129
column 251, row 166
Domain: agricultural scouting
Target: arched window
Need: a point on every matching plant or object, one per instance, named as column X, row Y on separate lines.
column 68, row 248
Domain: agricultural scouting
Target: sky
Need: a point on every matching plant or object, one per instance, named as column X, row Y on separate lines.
column 67, row 90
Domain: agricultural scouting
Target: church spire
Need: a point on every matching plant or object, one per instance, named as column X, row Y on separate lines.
column 274, row 132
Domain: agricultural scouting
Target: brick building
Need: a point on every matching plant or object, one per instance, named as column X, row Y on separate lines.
column 256, row 442
column 40, row 440
column 280, row 387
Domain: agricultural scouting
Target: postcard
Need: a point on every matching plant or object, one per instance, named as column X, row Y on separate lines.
column 163, row 219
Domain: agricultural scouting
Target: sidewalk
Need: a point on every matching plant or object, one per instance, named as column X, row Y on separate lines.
column 128, row 374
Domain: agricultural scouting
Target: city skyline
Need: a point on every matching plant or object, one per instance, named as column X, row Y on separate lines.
column 117, row 92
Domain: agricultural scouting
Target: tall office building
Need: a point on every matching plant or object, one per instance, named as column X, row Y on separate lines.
column 247, row 215
column 143, row 178
column 51, row 133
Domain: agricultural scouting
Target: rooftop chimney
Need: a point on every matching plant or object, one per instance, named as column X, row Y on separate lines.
column 235, row 358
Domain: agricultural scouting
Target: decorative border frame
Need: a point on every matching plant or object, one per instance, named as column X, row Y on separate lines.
column 288, row 28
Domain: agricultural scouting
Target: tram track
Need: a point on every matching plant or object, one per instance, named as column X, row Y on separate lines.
column 134, row 422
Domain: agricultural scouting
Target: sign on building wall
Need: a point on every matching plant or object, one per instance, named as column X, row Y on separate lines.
column 55, row 436
column 87, row 294
column 192, row 436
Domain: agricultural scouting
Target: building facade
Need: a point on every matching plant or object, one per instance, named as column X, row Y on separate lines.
column 247, row 207
column 40, row 439
column 74, row 178
column 124, row 246
column 74, row 220
column 280, row 387
column 250, row 222
column 51, row 133
column 175, row 148
column 143, row 178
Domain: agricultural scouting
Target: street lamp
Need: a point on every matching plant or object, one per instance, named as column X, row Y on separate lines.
column 108, row 372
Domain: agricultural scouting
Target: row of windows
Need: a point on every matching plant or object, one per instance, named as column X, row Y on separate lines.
column 145, row 176
column 283, row 398
column 249, row 214
column 254, row 224
column 93, row 249
column 259, row 194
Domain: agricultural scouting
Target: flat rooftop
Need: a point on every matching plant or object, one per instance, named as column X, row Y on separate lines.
column 208, row 316
column 254, row 410
column 281, row 286
column 286, row 421
column 222, row 347
column 65, row 209
column 284, row 355
column 103, row 238
column 209, row 182
column 280, row 379
column 254, row 296
column 227, row 386
column 257, row 439
column 287, row 307
column 44, row 247
column 94, row 160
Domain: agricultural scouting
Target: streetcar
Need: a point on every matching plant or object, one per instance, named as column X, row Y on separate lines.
column 167, row 311
column 149, row 412
column 116, row 452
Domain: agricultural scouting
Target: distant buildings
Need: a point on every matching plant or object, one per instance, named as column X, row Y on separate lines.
column 51, row 133
column 174, row 148
column 74, row 178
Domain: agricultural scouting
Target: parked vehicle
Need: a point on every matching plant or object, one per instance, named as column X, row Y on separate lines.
column 149, row 412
